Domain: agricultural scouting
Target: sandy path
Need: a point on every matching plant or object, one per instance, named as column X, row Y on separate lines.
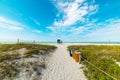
column 62, row 67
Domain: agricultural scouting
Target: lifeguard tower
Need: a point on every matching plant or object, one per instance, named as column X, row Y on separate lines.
column 59, row 41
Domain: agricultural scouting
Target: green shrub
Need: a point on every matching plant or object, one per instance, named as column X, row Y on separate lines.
column 7, row 70
column 31, row 52
column 10, row 47
column 7, row 56
column 102, row 56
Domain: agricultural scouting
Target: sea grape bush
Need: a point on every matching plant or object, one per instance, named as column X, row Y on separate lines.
column 103, row 57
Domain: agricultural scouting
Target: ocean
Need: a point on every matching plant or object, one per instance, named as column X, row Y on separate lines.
column 84, row 43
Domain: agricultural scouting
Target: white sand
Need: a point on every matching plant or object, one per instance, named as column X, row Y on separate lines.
column 61, row 66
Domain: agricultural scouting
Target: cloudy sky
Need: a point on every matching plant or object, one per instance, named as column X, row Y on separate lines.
column 69, row 20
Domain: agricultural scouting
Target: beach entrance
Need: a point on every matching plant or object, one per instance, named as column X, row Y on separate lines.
column 61, row 66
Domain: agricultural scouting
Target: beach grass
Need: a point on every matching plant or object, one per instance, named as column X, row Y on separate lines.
column 31, row 49
column 103, row 57
column 7, row 70
column 31, row 52
column 9, row 47
column 8, row 54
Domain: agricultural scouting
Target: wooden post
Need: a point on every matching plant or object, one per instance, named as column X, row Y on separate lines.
column 80, row 58
column 34, row 42
column 18, row 41
column 73, row 54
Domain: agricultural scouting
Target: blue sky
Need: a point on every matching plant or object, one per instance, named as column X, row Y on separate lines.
column 69, row 20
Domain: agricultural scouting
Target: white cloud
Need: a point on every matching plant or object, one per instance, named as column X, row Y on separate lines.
column 92, row 31
column 37, row 31
column 76, row 22
column 110, row 31
column 77, row 30
column 52, row 29
column 35, row 21
column 93, row 9
column 74, row 12
column 70, row 13
column 9, row 24
column 56, row 30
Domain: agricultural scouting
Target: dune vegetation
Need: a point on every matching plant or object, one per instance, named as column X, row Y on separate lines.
column 11, row 58
column 103, row 57
column 9, row 47
column 30, row 49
